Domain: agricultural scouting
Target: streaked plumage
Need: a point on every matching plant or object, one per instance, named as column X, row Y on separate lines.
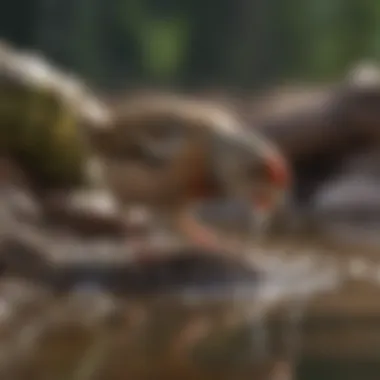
column 174, row 152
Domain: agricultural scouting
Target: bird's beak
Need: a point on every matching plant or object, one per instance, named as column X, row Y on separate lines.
column 271, row 188
column 276, row 180
column 250, row 171
column 253, row 170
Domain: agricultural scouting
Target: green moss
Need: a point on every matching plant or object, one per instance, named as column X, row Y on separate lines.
column 42, row 131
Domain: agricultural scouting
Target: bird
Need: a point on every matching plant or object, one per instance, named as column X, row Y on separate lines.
column 174, row 152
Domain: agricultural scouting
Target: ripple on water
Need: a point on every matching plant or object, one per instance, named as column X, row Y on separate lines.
column 184, row 333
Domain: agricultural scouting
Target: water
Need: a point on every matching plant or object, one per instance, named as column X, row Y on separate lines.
column 287, row 326
column 245, row 331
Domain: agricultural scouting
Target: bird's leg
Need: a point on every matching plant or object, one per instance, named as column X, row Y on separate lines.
column 197, row 232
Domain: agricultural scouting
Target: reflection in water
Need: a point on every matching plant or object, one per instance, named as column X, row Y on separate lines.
column 244, row 332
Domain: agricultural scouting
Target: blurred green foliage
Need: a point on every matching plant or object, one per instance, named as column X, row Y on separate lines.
column 243, row 43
